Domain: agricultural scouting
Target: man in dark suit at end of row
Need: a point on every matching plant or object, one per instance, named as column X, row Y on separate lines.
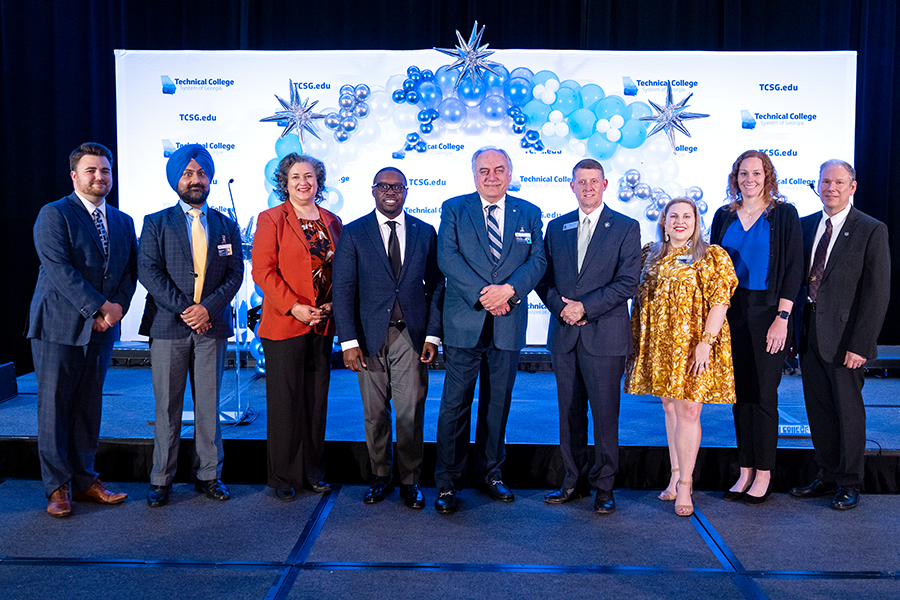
column 848, row 261
column 387, row 293
column 88, row 274
column 593, row 267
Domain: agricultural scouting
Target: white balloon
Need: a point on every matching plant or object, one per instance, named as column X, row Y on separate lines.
column 616, row 121
column 538, row 89
column 656, row 149
column 626, row 159
column 394, row 82
column 669, row 169
column 674, row 189
column 548, row 97
column 576, row 148
column 381, row 105
column 613, row 135
column 562, row 129
column 551, row 85
column 555, row 116
column 652, row 174
column 548, row 129
column 437, row 133
column 347, row 154
column 367, row 134
column 406, row 118
column 319, row 148
column 602, row 125
column 473, row 127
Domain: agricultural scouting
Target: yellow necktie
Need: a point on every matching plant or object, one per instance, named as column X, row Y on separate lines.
column 198, row 239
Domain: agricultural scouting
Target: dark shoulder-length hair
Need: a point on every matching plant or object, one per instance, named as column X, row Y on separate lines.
column 697, row 243
column 770, row 187
column 284, row 167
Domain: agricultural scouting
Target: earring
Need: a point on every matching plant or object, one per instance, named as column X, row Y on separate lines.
column 667, row 236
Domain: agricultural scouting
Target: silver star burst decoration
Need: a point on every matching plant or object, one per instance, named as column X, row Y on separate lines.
column 471, row 58
column 297, row 114
column 671, row 115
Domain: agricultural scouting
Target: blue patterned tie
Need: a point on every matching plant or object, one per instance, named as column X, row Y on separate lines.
column 494, row 239
column 101, row 230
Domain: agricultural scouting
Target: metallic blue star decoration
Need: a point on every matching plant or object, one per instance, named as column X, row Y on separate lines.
column 297, row 114
column 671, row 115
column 471, row 59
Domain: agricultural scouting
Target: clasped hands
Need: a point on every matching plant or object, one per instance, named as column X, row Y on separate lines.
column 495, row 298
column 573, row 313
column 311, row 315
column 110, row 314
column 197, row 318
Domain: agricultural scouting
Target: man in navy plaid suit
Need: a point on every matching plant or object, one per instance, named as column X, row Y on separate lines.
column 191, row 264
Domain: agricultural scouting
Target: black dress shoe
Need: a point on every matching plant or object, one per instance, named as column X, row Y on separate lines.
column 412, row 496
column 498, row 490
column 379, row 490
column 847, row 497
column 446, row 502
column 563, row 495
column 816, row 489
column 730, row 496
column 604, row 503
column 158, row 495
column 285, row 494
column 757, row 500
column 320, row 487
column 213, row 489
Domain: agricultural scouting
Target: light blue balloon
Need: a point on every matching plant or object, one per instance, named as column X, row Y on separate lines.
column 430, row 94
column 555, row 142
column 498, row 81
column 287, row 144
column 567, row 100
column 601, row 148
column 452, row 113
column 517, row 91
column 571, row 84
column 582, row 123
column 636, row 110
column 523, row 72
column 609, row 106
column 273, row 199
column 270, row 170
column 537, row 113
column 471, row 91
column 591, row 94
column 634, row 134
column 493, row 110
column 446, row 78
column 542, row 77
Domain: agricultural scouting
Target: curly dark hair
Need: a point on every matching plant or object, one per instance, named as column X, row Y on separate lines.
column 770, row 188
column 281, row 174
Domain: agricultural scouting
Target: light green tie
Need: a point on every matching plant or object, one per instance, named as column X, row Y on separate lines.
column 584, row 240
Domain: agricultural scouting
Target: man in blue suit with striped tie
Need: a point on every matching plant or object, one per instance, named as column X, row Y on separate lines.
column 490, row 250
column 88, row 274
column 191, row 263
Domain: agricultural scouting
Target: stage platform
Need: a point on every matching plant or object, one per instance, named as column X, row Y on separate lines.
column 532, row 434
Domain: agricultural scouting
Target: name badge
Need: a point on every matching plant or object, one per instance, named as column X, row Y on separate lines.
column 523, row 237
column 572, row 225
column 225, row 250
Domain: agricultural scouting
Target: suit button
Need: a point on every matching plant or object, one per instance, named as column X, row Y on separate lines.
column 397, row 291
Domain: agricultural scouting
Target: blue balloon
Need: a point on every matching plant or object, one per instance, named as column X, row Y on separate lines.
column 424, row 116
column 567, row 100
column 523, row 72
column 571, row 84
column 601, row 148
column 412, row 138
column 591, row 94
column 543, row 77
column 270, row 170
column 261, row 368
column 413, row 70
column 408, row 84
column 430, row 94
column 426, row 128
column 533, row 135
column 399, row 96
column 453, row 113
column 255, row 300
column 518, row 129
column 471, row 91
column 609, row 106
column 446, row 78
column 537, row 113
column 517, row 91
column 634, row 133
column 493, row 110
column 636, row 110
column 273, row 200
column 256, row 349
column 287, row 144
column 333, row 120
column 496, row 81
column 582, row 123
column 421, row 146
column 539, row 146
column 427, row 75
column 341, row 136
column 412, row 97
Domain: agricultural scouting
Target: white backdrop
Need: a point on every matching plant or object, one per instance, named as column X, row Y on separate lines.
column 799, row 107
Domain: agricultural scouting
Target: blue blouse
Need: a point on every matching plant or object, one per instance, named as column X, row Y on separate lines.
column 749, row 251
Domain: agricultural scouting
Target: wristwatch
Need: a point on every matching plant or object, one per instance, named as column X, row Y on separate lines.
column 783, row 314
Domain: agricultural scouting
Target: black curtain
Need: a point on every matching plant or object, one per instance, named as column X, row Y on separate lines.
column 57, row 76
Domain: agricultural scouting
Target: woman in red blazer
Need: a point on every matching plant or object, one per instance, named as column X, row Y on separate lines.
column 292, row 255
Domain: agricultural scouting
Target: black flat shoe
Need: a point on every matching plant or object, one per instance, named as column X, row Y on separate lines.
column 757, row 500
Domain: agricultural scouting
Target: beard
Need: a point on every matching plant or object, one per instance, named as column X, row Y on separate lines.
column 194, row 195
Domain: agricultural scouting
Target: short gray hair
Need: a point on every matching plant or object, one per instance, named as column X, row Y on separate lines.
column 481, row 151
column 836, row 162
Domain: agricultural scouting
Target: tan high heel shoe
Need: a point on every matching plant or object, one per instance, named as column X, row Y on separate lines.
column 684, row 510
column 666, row 495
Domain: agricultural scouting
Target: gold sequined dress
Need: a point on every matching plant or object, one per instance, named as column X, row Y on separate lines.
column 667, row 319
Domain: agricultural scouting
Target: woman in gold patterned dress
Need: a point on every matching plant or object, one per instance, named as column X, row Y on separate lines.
column 681, row 339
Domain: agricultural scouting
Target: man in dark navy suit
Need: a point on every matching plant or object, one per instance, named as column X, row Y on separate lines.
column 848, row 262
column 88, row 274
column 191, row 263
column 387, row 294
column 593, row 267
column 490, row 250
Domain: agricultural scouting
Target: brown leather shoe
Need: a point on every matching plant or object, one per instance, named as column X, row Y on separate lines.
column 59, row 504
column 99, row 494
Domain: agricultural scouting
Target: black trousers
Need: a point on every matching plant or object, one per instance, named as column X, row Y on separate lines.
column 298, row 371
column 757, row 375
column 837, row 415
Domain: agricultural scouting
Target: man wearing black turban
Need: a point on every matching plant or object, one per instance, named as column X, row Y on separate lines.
column 191, row 264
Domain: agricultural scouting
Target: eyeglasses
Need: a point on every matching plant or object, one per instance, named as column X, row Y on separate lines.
column 397, row 188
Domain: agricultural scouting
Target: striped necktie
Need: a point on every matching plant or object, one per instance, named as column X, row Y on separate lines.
column 494, row 239
column 101, row 231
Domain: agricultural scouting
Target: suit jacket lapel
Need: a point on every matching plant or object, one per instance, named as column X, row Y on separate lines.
column 178, row 223
column 373, row 230
column 88, row 221
column 597, row 236
column 476, row 214
column 412, row 239
column 294, row 223
column 215, row 235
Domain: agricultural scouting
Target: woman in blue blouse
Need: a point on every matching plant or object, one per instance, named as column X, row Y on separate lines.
column 761, row 233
